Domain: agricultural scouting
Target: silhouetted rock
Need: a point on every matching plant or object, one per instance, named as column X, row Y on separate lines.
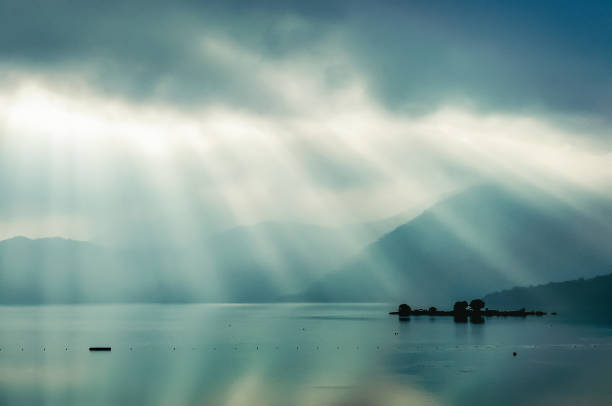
column 477, row 305
column 476, row 318
column 460, row 318
column 460, row 307
column 404, row 310
column 461, row 313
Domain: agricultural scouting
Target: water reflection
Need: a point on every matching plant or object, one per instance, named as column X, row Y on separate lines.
column 292, row 354
column 476, row 318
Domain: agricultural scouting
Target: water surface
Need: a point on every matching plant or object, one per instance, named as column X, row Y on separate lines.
column 294, row 354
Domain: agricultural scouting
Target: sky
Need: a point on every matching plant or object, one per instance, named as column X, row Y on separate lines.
column 119, row 119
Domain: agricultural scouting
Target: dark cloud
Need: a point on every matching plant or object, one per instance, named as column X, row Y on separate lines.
column 502, row 55
column 151, row 50
column 545, row 56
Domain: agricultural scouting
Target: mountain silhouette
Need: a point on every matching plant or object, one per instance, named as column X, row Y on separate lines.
column 583, row 299
column 481, row 240
column 485, row 238
column 254, row 263
column 58, row 270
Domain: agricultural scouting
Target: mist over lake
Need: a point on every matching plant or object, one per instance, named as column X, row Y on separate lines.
column 332, row 202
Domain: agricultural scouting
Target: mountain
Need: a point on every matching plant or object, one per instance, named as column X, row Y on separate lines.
column 584, row 299
column 245, row 264
column 260, row 262
column 485, row 238
column 481, row 240
column 57, row 270
column 267, row 260
column 34, row 271
column 370, row 231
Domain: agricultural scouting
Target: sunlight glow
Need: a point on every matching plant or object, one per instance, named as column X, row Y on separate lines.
column 236, row 150
column 140, row 173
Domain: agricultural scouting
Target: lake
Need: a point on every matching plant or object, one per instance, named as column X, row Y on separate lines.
column 294, row 354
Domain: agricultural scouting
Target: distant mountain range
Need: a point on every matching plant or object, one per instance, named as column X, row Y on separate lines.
column 254, row 263
column 584, row 299
column 483, row 239
column 57, row 270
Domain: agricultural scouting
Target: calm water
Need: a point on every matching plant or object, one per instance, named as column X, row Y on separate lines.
column 294, row 354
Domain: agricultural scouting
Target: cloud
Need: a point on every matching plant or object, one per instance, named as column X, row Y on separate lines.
column 154, row 50
column 517, row 56
column 550, row 57
column 120, row 169
column 165, row 116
